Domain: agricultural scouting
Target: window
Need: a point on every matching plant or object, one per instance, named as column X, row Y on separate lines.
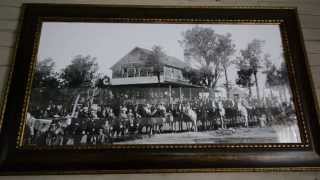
column 131, row 72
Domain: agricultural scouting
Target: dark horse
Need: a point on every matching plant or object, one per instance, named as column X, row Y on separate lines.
column 145, row 120
column 117, row 127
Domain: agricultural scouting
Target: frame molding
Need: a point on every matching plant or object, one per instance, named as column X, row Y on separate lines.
column 202, row 158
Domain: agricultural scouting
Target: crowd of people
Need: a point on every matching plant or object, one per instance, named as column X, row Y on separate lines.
column 106, row 124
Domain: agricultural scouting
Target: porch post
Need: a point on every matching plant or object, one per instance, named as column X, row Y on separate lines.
column 170, row 94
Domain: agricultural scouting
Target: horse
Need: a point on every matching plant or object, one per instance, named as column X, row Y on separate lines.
column 213, row 119
column 158, row 118
column 132, row 124
column 93, row 127
column 170, row 120
column 68, row 129
column 116, row 127
column 112, row 125
column 203, row 115
column 157, row 123
column 244, row 113
column 190, row 116
column 55, row 133
column 29, row 130
column 232, row 116
column 36, row 129
column 124, row 120
column 221, row 114
column 176, row 117
column 144, row 120
column 255, row 115
column 70, row 133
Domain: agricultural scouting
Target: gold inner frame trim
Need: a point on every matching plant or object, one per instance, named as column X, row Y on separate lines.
column 288, row 58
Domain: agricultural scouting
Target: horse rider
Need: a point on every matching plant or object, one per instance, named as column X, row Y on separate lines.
column 162, row 110
column 180, row 111
column 131, row 120
column 145, row 121
column 221, row 111
column 147, row 110
column 91, row 131
column 243, row 107
column 124, row 119
column 192, row 115
column 80, row 125
column 102, row 137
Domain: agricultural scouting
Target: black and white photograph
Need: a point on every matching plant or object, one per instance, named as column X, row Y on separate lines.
column 160, row 83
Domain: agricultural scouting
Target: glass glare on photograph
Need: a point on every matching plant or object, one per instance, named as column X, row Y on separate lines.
column 135, row 83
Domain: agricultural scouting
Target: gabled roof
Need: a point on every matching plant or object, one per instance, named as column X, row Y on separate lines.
column 140, row 56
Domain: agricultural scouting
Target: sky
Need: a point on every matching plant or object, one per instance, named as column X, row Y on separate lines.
column 109, row 42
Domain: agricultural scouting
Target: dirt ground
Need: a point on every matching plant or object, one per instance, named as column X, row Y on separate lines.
column 240, row 135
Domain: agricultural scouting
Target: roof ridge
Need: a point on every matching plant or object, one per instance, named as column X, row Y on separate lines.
column 170, row 60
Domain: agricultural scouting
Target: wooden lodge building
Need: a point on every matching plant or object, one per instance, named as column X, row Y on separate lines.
column 134, row 79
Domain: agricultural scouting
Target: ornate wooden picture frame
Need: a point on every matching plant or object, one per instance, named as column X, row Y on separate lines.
column 98, row 89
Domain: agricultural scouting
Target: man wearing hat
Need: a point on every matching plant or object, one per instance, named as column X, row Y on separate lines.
column 123, row 118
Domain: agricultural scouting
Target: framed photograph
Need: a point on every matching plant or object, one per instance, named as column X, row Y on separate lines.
column 159, row 89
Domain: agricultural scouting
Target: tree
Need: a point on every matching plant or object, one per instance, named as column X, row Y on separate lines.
column 284, row 79
column 226, row 48
column 252, row 54
column 267, row 62
column 244, row 75
column 82, row 70
column 277, row 78
column 45, row 85
column 283, row 73
column 194, row 76
column 103, row 93
column 271, row 74
column 44, row 76
column 244, row 79
column 272, row 77
column 155, row 59
column 102, row 82
column 203, row 45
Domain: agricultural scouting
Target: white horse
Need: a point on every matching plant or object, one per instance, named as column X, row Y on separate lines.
column 244, row 112
column 192, row 116
column 35, row 127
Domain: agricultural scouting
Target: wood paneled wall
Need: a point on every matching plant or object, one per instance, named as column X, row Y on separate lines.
column 309, row 14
